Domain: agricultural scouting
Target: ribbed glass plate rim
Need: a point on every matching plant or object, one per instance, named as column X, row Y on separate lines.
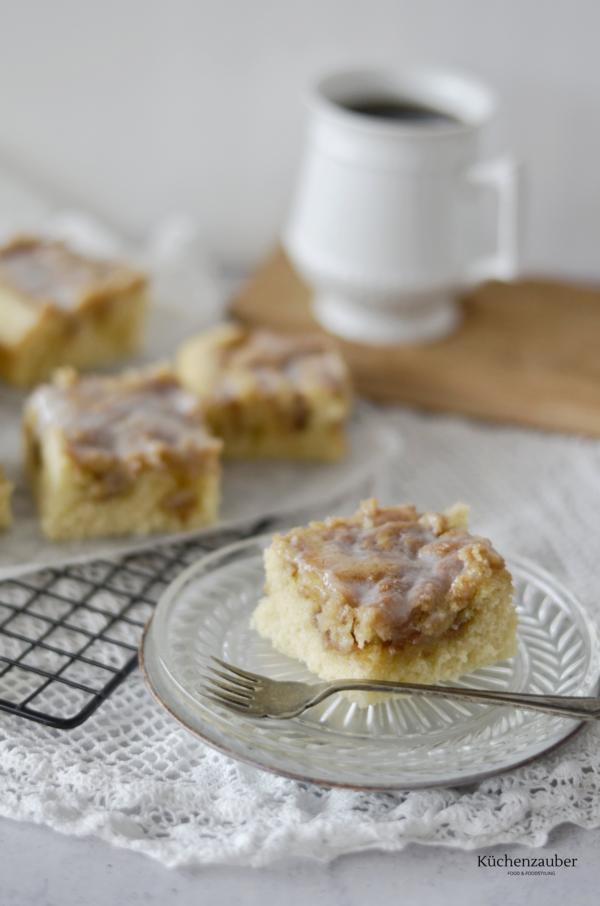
column 237, row 736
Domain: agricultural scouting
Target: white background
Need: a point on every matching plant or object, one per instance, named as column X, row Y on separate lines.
column 144, row 107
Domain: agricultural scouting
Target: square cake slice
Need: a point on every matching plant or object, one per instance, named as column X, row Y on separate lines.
column 119, row 455
column 388, row 594
column 58, row 307
column 270, row 395
column 5, row 492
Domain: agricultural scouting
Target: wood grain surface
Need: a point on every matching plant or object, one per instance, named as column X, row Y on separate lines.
column 526, row 352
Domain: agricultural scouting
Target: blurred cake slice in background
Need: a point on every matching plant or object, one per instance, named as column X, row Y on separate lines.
column 270, row 395
column 120, row 455
column 58, row 307
column 5, row 492
column 388, row 594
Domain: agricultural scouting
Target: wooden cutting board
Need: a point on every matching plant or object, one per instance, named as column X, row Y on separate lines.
column 526, row 352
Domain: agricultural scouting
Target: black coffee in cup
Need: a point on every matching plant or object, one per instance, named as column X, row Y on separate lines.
column 399, row 110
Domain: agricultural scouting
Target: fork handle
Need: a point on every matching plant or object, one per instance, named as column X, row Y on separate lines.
column 563, row 705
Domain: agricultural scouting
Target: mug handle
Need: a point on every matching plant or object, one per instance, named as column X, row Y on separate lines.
column 501, row 175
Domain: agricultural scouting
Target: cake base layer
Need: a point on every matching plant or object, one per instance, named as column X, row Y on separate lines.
column 265, row 440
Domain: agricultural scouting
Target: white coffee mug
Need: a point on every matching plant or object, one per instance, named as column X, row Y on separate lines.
column 388, row 216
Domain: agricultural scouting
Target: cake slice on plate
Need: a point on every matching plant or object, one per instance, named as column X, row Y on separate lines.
column 58, row 307
column 388, row 594
column 270, row 395
column 119, row 455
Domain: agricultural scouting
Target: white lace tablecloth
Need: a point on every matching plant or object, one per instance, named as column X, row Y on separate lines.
column 132, row 776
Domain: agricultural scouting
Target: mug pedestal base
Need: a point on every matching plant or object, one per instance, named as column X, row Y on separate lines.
column 420, row 318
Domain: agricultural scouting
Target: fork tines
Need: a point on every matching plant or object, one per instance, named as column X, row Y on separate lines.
column 234, row 687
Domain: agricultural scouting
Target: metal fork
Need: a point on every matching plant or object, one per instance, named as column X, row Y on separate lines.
column 258, row 696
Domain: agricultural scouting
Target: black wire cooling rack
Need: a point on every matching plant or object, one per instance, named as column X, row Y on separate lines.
column 69, row 635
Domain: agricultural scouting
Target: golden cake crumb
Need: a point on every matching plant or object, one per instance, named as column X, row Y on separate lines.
column 5, row 494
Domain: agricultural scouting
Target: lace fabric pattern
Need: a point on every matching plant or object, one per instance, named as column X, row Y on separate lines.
column 133, row 777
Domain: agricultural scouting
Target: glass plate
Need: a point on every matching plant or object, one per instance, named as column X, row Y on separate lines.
column 252, row 491
column 401, row 743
